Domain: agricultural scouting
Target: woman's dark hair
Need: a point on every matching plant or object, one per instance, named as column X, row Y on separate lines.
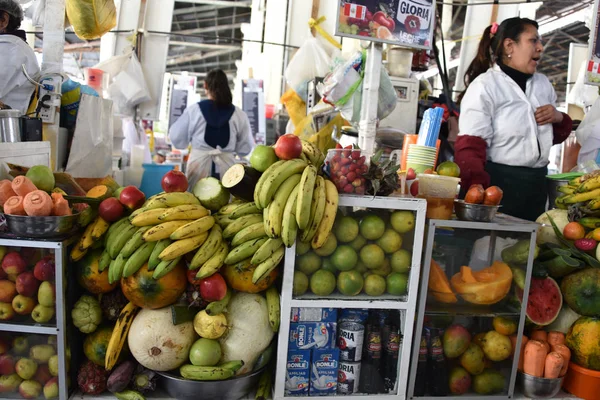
column 13, row 22
column 491, row 46
column 217, row 84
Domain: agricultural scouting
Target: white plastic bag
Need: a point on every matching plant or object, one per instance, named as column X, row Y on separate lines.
column 310, row 61
column 582, row 95
column 91, row 150
column 588, row 134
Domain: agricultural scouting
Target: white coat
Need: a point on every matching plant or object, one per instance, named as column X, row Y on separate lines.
column 497, row 110
column 15, row 89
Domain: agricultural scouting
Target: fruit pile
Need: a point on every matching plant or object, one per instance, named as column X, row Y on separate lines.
column 26, row 285
column 29, row 366
column 346, row 168
column 363, row 253
column 583, row 193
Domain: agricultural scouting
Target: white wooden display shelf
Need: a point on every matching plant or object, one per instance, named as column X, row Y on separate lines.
column 39, row 329
column 406, row 304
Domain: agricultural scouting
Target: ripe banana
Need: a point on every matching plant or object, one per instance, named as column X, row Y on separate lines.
column 305, row 195
column 264, row 268
column 277, row 177
column 114, row 228
column 115, row 270
column 138, row 258
column 254, row 231
column 594, row 204
column 187, row 211
column 590, row 184
column 289, row 226
column 198, row 373
column 214, row 263
column 119, row 335
column 77, row 254
column 241, row 223
column 312, row 152
column 162, row 231
column 266, row 220
column 316, row 212
column 208, row 248
column 194, row 228
column 116, row 243
column 148, row 217
column 104, row 261
column 331, row 207
column 86, row 241
column 183, row 246
column 567, row 189
column 262, row 180
column 244, row 250
column 100, row 228
column 172, row 199
column 160, row 246
column 244, row 209
column 134, row 242
column 274, row 308
column 229, row 208
column 164, row 267
column 580, row 197
column 266, row 250
column 217, row 307
column 274, row 217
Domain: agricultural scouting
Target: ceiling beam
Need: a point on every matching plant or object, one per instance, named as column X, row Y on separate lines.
column 194, row 9
column 203, row 65
column 204, row 45
column 219, row 3
column 199, row 56
column 209, row 29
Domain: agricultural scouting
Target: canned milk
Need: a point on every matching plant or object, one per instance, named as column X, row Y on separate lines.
column 348, row 377
column 350, row 341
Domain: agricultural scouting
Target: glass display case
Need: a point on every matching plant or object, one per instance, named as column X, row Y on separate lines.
column 471, row 314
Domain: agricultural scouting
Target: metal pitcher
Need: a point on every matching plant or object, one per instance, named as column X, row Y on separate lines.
column 10, row 126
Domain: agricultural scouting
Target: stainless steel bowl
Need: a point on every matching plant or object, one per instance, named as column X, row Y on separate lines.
column 539, row 388
column 552, row 186
column 230, row 389
column 42, row 227
column 474, row 212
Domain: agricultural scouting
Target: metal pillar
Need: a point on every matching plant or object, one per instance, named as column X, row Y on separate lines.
column 367, row 127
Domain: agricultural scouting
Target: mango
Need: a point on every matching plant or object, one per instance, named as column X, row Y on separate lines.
column 455, row 341
column 488, row 382
column 459, row 381
column 473, row 359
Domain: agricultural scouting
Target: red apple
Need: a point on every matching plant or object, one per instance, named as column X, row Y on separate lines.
column 7, row 364
column 13, row 263
column 411, row 174
column 51, row 389
column 132, row 197
column 30, row 389
column 191, row 277
column 27, row 285
column 414, row 188
column 288, row 147
column 3, row 275
column 42, row 375
column 174, row 181
column 6, row 311
column 9, row 383
column 111, row 209
column 23, row 305
column 44, row 269
column 385, row 20
column 31, row 255
column 8, row 291
column 213, row 288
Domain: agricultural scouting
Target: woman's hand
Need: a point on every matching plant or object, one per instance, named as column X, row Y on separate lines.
column 548, row 115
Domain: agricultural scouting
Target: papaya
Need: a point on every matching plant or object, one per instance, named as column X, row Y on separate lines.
column 96, row 343
column 146, row 292
column 439, row 285
column 581, row 291
column 583, row 339
column 239, row 277
column 488, row 286
column 89, row 275
column 100, row 192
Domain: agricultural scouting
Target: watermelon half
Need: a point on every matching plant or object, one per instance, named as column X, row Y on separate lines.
column 544, row 302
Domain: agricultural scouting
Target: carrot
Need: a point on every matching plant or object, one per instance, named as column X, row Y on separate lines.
column 556, row 338
column 60, row 206
column 565, row 352
column 553, row 365
column 534, row 358
column 539, row 335
column 6, row 191
column 523, row 343
column 22, row 185
column 14, row 206
column 37, row 204
column 546, row 345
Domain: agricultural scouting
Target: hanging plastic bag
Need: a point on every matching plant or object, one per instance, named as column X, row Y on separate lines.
column 91, row 18
column 310, row 61
column 127, row 86
column 587, row 134
column 582, row 95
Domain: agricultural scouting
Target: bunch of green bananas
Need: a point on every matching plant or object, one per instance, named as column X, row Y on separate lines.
column 216, row 373
column 583, row 189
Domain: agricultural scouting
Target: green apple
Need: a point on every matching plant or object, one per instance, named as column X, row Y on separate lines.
column 26, row 368
column 23, row 305
column 42, row 314
column 53, row 365
column 46, row 294
column 9, row 383
column 262, row 157
column 30, row 389
column 51, row 389
column 20, row 345
column 41, row 353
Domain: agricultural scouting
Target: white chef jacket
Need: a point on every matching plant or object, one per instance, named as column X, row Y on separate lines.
column 15, row 89
column 497, row 110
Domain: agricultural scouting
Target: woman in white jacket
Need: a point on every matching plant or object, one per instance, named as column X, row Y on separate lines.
column 508, row 118
column 216, row 129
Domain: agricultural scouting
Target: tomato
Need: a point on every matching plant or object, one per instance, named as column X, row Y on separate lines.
column 384, row 20
column 213, row 288
column 475, row 195
column 493, row 196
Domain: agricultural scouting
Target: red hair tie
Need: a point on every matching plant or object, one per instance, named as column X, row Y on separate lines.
column 494, row 29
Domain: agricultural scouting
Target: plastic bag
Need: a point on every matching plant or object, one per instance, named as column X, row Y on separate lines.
column 127, row 86
column 582, row 95
column 294, row 105
column 587, row 135
column 91, row 18
column 310, row 61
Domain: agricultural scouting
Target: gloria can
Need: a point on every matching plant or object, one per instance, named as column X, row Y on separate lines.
column 348, row 377
column 351, row 336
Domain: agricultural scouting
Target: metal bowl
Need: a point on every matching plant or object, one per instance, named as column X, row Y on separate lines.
column 474, row 212
column 42, row 227
column 229, row 389
column 539, row 388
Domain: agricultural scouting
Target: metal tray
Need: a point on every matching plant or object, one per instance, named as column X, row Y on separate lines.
column 42, row 227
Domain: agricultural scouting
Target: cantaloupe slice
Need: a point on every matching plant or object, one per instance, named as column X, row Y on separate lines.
column 487, row 286
column 466, row 274
column 439, row 285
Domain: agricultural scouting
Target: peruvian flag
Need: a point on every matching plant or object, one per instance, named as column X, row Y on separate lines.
column 593, row 67
column 355, row 11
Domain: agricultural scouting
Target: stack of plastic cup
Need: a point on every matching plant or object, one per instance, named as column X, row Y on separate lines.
column 421, row 158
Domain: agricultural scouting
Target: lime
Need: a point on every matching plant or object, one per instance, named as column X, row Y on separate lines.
column 397, row 283
column 262, row 157
column 350, row 283
column 327, row 265
column 390, row 241
column 372, row 256
column 400, row 261
column 448, row 168
column 308, row 263
column 344, row 258
column 205, row 352
column 403, row 221
column 361, row 267
column 384, row 270
column 322, row 283
column 359, row 242
column 345, row 229
column 372, row 227
column 302, row 247
column 300, row 283
column 328, row 247
column 374, row 285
